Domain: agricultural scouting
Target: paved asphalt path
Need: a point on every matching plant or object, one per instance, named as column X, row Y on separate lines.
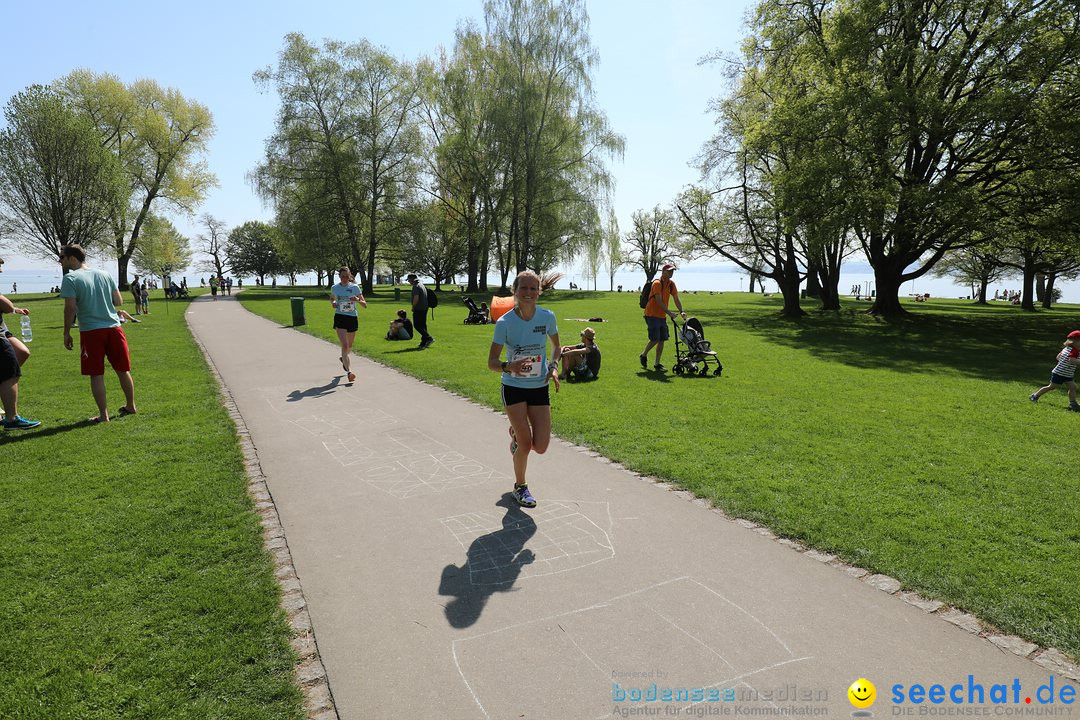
column 433, row 596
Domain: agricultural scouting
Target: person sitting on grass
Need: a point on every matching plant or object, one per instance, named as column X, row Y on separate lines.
column 582, row 361
column 401, row 327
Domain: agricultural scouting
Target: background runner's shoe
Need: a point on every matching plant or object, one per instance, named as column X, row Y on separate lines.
column 352, row 377
column 523, row 497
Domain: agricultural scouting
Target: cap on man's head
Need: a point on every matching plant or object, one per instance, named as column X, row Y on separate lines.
column 668, row 266
column 1074, row 334
column 410, row 277
column 588, row 332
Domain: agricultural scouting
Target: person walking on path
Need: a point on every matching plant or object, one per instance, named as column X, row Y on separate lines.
column 92, row 295
column 526, row 372
column 344, row 297
column 419, row 311
column 1064, row 373
column 657, row 312
column 11, row 370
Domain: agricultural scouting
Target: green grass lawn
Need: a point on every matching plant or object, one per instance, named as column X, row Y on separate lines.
column 133, row 580
column 909, row 448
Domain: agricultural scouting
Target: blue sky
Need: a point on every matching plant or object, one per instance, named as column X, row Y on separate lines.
column 649, row 82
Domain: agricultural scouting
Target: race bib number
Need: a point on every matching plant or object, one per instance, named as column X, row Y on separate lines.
column 345, row 306
column 533, row 365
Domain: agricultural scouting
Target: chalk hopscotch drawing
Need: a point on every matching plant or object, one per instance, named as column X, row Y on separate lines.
column 562, row 539
column 392, row 462
column 698, row 636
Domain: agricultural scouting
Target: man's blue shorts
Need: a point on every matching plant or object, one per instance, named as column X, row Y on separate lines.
column 658, row 330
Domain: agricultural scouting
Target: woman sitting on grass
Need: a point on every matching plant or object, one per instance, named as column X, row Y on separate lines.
column 400, row 327
column 582, row 360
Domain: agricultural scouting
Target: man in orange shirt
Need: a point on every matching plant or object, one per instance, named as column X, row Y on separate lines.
column 657, row 312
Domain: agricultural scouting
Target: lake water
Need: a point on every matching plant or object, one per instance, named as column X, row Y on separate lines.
column 705, row 277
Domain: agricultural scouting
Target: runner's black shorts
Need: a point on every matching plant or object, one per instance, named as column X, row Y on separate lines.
column 348, row 323
column 512, row 395
column 9, row 364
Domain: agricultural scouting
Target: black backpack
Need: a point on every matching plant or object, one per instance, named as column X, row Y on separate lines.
column 646, row 291
column 432, row 298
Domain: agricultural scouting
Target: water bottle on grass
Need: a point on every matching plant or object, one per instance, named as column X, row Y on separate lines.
column 27, row 333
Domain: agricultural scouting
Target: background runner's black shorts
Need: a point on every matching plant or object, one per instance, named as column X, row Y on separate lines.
column 348, row 323
column 512, row 395
column 9, row 364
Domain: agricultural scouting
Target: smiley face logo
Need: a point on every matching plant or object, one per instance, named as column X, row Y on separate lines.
column 862, row 693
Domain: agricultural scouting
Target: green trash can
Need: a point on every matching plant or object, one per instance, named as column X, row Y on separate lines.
column 397, row 293
column 298, row 311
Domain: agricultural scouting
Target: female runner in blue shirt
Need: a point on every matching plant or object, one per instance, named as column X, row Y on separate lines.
column 525, row 332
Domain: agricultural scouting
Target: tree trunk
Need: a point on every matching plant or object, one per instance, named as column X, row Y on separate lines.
column 830, row 293
column 887, row 301
column 472, row 259
column 1027, row 300
column 1040, row 288
column 753, row 279
column 813, row 285
column 789, row 288
column 1048, row 291
column 121, row 272
column 984, row 282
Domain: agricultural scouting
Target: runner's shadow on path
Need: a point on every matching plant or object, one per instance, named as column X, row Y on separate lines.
column 492, row 564
column 314, row 392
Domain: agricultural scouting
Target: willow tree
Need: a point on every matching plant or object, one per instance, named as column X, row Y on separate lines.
column 159, row 138
column 552, row 139
column 347, row 130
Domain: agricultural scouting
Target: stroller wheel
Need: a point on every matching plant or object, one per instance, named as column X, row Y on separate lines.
column 718, row 370
column 678, row 369
column 704, row 371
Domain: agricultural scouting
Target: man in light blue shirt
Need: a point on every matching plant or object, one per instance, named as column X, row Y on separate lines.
column 92, row 295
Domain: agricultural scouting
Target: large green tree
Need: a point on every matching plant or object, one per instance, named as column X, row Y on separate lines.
column 347, row 131
column 57, row 184
column 252, row 249
column 935, row 99
column 554, row 139
column 653, row 239
column 159, row 138
column 162, row 250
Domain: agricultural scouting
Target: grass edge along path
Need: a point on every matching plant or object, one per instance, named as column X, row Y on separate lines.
column 136, row 581
column 311, row 677
column 908, row 449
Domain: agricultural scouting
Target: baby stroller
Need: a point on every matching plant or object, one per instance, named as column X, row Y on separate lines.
column 693, row 352
column 476, row 317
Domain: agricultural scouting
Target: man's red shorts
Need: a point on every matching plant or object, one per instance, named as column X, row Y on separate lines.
column 96, row 345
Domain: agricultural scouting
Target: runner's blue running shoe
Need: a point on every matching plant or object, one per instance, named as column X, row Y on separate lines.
column 523, row 497
column 20, row 423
